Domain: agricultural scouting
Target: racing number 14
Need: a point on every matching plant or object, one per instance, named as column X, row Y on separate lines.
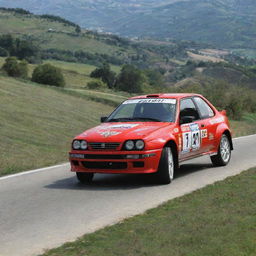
column 191, row 140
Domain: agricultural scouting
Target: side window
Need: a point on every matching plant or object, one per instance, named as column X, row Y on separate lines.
column 188, row 108
column 204, row 109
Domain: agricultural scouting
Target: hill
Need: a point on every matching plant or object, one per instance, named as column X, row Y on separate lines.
column 222, row 23
column 59, row 39
column 39, row 124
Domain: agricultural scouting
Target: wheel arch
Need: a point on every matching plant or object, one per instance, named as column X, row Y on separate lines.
column 228, row 134
column 173, row 146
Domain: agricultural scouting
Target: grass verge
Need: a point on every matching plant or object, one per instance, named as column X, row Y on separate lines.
column 216, row 220
column 246, row 126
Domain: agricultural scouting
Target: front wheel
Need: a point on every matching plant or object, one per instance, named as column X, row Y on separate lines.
column 84, row 177
column 166, row 167
column 224, row 152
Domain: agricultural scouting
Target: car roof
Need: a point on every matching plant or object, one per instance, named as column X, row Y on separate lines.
column 166, row 95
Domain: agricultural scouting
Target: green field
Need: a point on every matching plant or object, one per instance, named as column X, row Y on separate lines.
column 38, row 124
column 216, row 220
column 76, row 75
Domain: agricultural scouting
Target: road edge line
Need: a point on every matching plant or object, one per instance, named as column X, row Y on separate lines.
column 244, row 137
column 33, row 171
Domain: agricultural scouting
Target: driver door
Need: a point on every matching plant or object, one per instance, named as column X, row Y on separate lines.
column 190, row 129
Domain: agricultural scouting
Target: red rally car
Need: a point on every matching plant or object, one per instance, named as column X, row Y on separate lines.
column 153, row 134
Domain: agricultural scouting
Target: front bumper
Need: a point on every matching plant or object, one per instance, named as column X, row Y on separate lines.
column 115, row 161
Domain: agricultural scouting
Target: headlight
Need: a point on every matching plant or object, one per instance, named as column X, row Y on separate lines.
column 139, row 144
column 84, row 144
column 76, row 144
column 129, row 145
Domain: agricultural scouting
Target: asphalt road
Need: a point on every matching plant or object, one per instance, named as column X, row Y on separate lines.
column 42, row 210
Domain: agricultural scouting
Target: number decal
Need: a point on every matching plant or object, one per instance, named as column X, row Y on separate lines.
column 195, row 140
column 186, row 136
column 191, row 138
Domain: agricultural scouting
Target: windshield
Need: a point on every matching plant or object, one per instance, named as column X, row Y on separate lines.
column 145, row 110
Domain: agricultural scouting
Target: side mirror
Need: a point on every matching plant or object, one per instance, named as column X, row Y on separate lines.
column 103, row 119
column 186, row 119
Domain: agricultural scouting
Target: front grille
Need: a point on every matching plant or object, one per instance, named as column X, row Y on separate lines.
column 104, row 146
column 110, row 156
column 105, row 165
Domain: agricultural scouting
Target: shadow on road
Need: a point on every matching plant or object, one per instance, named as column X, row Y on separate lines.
column 103, row 182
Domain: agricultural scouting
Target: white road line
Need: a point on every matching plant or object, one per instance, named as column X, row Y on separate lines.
column 66, row 164
column 244, row 137
column 33, row 171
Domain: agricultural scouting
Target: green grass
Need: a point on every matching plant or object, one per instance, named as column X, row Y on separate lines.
column 39, row 122
column 216, row 220
column 244, row 127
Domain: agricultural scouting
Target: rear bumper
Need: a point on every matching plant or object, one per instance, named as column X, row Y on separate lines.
column 115, row 161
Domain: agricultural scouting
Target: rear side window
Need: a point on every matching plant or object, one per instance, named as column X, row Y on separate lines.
column 204, row 109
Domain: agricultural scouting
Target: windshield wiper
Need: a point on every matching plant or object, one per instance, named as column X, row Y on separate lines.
column 127, row 119
column 121, row 119
column 146, row 118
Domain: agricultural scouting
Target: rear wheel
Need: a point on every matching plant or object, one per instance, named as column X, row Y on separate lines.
column 84, row 177
column 165, row 173
column 224, row 152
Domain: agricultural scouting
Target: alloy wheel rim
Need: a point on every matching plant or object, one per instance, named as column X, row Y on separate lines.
column 225, row 149
column 170, row 164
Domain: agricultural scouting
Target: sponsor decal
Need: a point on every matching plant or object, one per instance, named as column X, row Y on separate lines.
column 211, row 136
column 106, row 134
column 140, row 101
column 204, row 133
column 122, row 126
column 179, row 143
column 176, row 130
column 217, row 120
column 185, row 128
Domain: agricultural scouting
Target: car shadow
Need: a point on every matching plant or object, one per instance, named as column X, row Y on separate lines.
column 103, row 182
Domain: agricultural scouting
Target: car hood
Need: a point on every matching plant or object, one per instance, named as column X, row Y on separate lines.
column 121, row 131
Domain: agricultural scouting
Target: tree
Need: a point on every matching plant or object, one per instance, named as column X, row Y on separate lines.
column 48, row 74
column 3, row 52
column 106, row 75
column 78, row 29
column 25, row 49
column 130, row 79
column 14, row 68
column 7, row 42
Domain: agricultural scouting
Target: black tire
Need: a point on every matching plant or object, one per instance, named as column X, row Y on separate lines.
column 166, row 168
column 84, row 177
column 224, row 152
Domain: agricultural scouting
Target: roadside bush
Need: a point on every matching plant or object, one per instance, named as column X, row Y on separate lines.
column 105, row 74
column 130, row 79
column 14, row 68
column 96, row 84
column 3, row 52
column 48, row 74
